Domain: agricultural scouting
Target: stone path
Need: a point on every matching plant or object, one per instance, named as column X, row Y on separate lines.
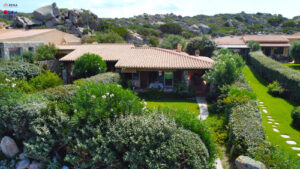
column 202, row 103
column 203, row 108
column 275, row 125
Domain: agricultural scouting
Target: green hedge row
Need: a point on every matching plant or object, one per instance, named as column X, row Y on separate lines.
column 271, row 70
column 108, row 77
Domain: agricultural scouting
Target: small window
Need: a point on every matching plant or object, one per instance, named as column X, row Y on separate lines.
column 169, row 79
column 135, row 76
column 15, row 52
column 31, row 49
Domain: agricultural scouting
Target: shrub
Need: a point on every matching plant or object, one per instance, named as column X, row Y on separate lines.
column 28, row 56
column 254, row 46
column 123, row 32
column 296, row 117
column 20, row 70
column 46, row 52
column 271, row 70
column 171, row 28
column 88, row 65
column 295, row 51
column 46, row 80
column 147, row 32
column 245, row 128
column 226, row 68
column 107, row 77
column 237, row 96
column 275, row 89
column 152, row 41
column 110, row 37
column 171, row 42
column 205, row 45
column 152, row 141
column 97, row 101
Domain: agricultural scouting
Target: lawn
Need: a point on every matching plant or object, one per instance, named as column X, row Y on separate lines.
column 293, row 66
column 280, row 110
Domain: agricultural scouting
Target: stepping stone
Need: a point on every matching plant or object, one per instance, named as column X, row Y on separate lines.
column 298, row 154
column 265, row 111
column 274, row 126
column 291, row 142
column 277, row 123
column 285, row 136
column 261, row 102
column 269, row 122
column 296, row 148
column 276, row 130
column 269, row 116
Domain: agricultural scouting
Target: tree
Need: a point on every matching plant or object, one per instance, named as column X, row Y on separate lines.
column 152, row 41
column 88, row 65
column 295, row 52
column 46, row 52
column 171, row 42
column 110, row 37
column 170, row 28
column 205, row 45
column 254, row 46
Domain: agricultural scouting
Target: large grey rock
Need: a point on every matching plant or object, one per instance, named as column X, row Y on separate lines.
column 134, row 37
column 22, row 156
column 52, row 22
column 9, row 147
column 194, row 29
column 245, row 162
column 204, row 28
column 23, row 164
column 46, row 13
column 34, row 165
column 21, row 21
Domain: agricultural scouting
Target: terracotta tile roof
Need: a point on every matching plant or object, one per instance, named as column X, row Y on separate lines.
column 266, row 38
column 275, row 45
column 156, row 58
column 128, row 56
column 230, row 40
column 17, row 33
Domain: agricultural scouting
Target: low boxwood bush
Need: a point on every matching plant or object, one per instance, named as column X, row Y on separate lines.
column 46, row 80
column 20, row 70
column 107, row 77
column 275, row 89
column 296, row 117
column 152, row 141
column 270, row 70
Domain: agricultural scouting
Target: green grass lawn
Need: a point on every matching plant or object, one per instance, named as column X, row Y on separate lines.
column 280, row 110
column 293, row 66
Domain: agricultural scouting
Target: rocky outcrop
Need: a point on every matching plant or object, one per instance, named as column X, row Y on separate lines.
column 22, row 22
column 204, row 28
column 46, row 13
column 34, row 165
column 9, row 147
column 134, row 37
column 245, row 162
column 23, row 164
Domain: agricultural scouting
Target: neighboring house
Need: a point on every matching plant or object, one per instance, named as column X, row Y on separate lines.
column 276, row 46
column 144, row 67
column 15, row 41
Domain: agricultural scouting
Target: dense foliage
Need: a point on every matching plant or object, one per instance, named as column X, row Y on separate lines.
column 110, row 37
column 46, row 52
column 88, row 65
column 275, row 88
column 171, row 42
column 170, row 28
column 254, row 46
column 152, row 141
column 295, row 51
column 296, row 117
column 107, row 77
column 46, row 80
column 152, row 41
column 205, row 45
column 271, row 70
column 20, row 70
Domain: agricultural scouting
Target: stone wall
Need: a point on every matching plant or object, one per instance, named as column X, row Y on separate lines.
column 24, row 46
column 54, row 65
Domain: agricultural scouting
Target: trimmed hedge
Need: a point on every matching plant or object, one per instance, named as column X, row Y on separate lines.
column 108, row 77
column 20, row 70
column 270, row 70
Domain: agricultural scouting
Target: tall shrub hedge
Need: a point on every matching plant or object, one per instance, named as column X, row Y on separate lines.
column 271, row 70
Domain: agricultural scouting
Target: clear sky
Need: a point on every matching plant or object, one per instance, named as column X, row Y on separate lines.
column 128, row 8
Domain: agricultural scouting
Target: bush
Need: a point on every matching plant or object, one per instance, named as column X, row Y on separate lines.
column 123, row 32
column 271, row 70
column 254, row 46
column 20, row 70
column 106, row 78
column 110, row 37
column 205, row 45
column 152, row 41
column 46, row 52
column 147, row 32
column 275, row 89
column 237, row 96
column 97, row 101
column 88, row 65
column 152, row 141
column 296, row 117
column 28, row 56
column 170, row 28
column 245, row 128
column 295, row 52
column 226, row 69
column 46, row 80
column 171, row 42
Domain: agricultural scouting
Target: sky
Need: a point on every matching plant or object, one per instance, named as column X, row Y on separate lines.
column 129, row 8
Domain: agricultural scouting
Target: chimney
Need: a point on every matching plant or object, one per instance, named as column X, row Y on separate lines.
column 179, row 48
column 197, row 53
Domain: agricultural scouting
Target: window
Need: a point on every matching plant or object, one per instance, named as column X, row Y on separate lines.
column 135, row 76
column 31, row 49
column 15, row 51
column 169, row 79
